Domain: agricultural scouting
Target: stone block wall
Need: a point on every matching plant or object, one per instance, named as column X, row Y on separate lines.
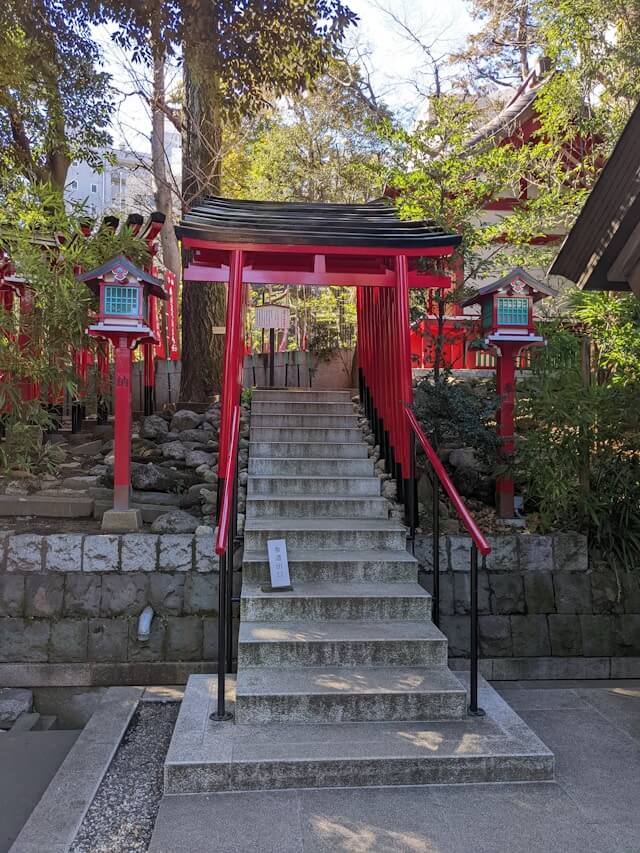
column 544, row 611
column 73, row 600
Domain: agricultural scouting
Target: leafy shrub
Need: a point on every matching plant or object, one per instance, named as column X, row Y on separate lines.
column 452, row 414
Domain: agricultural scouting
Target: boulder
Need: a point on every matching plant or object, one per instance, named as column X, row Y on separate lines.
column 176, row 521
column 154, row 478
column 195, row 458
column 174, row 450
column 153, row 426
column 464, row 457
column 145, row 450
column 185, row 419
column 199, row 436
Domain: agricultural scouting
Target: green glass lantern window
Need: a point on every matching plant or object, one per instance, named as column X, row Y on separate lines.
column 122, row 301
column 513, row 311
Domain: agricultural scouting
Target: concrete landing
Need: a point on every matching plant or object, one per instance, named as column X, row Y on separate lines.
column 592, row 807
column 206, row 756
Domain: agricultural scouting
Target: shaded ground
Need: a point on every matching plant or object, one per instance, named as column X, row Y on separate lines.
column 594, row 807
column 28, row 762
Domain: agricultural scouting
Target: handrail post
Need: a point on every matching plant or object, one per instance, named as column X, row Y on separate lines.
column 222, row 633
column 474, row 710
column 412, row 503
column 435, row 542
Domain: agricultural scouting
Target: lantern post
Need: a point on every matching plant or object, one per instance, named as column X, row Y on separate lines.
column 125, row 293
column 507, row 324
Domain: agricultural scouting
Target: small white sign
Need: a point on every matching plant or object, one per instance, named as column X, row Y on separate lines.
column 272, row 317
column 278, row 563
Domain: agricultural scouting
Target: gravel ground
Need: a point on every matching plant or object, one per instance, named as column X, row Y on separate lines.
column 123, row 812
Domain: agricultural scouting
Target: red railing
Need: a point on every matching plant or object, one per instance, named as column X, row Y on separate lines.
column 445, row 481
column 386, row 394
column 227, row 467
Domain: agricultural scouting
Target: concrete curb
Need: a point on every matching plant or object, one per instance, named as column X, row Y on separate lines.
column 55, row 821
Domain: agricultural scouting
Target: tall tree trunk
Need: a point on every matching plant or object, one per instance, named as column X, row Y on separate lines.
column 163, row 194
column 523, row 38
column 203, row 304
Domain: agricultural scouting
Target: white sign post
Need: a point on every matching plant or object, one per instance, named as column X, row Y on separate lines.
column 278, row 566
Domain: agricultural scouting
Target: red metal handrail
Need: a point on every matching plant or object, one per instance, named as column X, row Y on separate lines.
column 229, row 473
column 454, row 496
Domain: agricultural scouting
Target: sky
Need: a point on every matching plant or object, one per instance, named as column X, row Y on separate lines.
column 395, row 61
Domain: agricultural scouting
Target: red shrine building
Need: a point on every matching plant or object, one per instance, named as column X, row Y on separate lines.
column 516, row 124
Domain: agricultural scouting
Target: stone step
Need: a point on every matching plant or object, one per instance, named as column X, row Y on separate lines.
column 307, row 435
column 326, row 534
column 259, row 407
column 322, row 601
column 348, row 694
column 301, row 644
column 47, row 506
column 206, row 756
column 319, row 485
column 293, row 395
column 335, row 566
column 310, row 467
column 301, row 449
column 313, row 507
column 304, row 421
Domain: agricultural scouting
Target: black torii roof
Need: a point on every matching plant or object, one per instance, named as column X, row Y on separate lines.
column 93, row 277
column 375, row 224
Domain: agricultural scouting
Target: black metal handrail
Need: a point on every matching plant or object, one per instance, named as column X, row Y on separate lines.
column 478, row 541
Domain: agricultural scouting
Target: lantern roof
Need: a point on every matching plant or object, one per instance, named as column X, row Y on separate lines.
column 540, row 290
column 122, row 263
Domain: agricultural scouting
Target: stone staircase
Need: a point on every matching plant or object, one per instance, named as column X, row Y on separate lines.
column 343, row 680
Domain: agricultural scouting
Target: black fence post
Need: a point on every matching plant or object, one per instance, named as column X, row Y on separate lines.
column 435, row 523
column 474, row 710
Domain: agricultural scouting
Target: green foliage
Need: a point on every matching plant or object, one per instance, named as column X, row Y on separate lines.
column 578, row 451
column 613, row 321
column 453, row 414
column 319, row 149
column 45, row 244
column 55, row 102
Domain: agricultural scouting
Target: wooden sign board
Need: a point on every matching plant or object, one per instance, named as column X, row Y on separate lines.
column 278, row 565
column 272, row 317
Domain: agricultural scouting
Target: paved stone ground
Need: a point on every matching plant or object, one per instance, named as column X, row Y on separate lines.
column 594, row 807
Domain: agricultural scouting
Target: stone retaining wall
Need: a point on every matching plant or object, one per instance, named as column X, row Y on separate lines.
column 75, row 599
column 545, row 612
column 69, row 605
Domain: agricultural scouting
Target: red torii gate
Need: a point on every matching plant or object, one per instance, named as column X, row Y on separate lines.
column 366, row 246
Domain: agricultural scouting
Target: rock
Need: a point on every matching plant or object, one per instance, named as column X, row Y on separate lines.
column 184, row 419
column 176, row 521
column 145, row 450
column 13, row 702
column 390, row 490
column 174, row 450
column 197, row 436
column 168, row 499
column 204, row 530
column 16, row 487
column 193, row 497
column 210, row 476
column 243, row 477
column 464, row 457
column 89, row 448
column 153, row 426
column 154, row 478
column 195, row 458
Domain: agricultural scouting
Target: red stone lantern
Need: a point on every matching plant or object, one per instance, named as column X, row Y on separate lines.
column 507, row 323
column 124, row 292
